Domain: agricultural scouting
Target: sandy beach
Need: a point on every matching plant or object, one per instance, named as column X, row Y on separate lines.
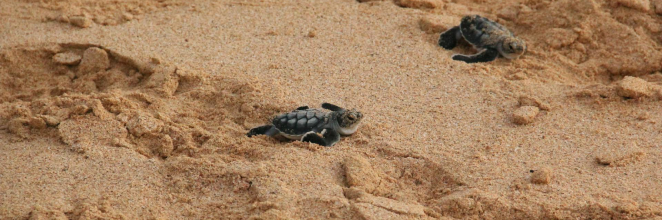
column 128, row 109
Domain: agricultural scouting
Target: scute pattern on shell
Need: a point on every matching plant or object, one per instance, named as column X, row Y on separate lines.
column 483, row 32
column 299, row 122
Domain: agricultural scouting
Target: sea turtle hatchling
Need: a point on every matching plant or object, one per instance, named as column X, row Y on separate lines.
column 487, row 36
column 305, row 123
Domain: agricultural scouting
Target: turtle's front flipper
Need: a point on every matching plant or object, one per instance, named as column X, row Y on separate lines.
column 448, row 39
column 264, row 129
column 302, row 107
column 331, row 107
column 330, row 138
column 486, row 55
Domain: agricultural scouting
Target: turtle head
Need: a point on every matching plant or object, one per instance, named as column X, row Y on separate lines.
column 349, row 121
column 512, row 47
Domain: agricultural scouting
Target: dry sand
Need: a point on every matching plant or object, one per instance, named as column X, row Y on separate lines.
column 129, row 109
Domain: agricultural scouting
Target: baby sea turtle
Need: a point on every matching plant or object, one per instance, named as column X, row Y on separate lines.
column 305, row 123
column 487, row 36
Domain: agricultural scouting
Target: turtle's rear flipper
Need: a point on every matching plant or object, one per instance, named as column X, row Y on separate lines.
column 264, row 130
column 448, row 40
column 330, row 138
column 302, row 107
column 484, row 56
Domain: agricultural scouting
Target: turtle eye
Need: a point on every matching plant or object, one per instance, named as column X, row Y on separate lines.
column 351, row 117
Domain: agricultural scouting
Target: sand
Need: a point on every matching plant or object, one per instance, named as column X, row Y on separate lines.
column 131, row 109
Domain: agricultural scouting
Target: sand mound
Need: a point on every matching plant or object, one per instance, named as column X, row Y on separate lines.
column 598, row 40
column 108, row 99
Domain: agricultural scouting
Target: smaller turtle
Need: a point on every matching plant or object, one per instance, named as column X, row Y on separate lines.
column 489, row 37
column 305, row 123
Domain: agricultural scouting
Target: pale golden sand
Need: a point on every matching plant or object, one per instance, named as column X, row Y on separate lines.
column 138, row 110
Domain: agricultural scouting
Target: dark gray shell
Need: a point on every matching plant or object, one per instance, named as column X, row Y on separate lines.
column 299, row 122
column 483, row 32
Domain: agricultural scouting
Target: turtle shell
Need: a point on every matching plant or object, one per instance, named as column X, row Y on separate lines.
column 483, row 32
column 299, row 122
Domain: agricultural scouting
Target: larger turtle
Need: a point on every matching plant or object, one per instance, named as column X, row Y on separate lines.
column 312, row 125
column 487, row 36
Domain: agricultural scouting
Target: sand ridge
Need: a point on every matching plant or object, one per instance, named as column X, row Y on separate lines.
column 133, row 127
